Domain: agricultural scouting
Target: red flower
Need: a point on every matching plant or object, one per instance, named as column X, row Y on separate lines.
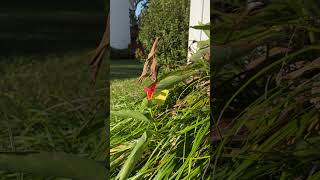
column 150, row 90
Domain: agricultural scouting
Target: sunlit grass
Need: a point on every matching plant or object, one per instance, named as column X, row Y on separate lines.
column 125, row 93
column 125, row 90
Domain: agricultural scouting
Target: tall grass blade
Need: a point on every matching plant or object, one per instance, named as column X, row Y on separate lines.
column 133, row 158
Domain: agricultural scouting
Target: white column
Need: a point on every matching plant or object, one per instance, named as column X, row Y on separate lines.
column 119, row 24
column 199, row 12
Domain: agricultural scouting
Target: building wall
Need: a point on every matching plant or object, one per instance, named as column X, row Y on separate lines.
column 199, row 12
column 119, row 24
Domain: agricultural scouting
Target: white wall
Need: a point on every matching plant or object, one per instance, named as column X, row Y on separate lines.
column 119, row 24
column 199, row 12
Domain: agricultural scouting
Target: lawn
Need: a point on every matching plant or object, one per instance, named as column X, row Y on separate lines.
column 125, row 90
column 48, row 104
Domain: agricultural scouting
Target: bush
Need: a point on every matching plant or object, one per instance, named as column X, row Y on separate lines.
column 169, row 20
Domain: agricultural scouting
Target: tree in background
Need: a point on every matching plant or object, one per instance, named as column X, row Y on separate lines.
column 168, row 20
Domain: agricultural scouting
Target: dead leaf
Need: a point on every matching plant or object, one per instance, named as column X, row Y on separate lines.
column 298, row 178
column 309, row 66
column 144, row 71
column 220, row 131
column 205, row 83
column 96, row 61
column 206, row 56
column 153, row 66
column 272, row 52
column 153, row 69
column 153, row 49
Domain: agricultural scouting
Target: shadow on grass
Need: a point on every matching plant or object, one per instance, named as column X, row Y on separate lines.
column 125, row 69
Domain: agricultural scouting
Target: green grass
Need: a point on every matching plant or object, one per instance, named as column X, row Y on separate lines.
column 48, row 104
column 125, row 90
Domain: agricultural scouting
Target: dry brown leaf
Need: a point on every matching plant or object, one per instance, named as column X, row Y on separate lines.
column 206, row 56
column 153, row 49
column 144, row 71
column 205, row 83
column 96, row 61
column 153, row 69
column 272, row 52
column 218, row 132
column 153, row 66
column 310, row 66
column 298, row 178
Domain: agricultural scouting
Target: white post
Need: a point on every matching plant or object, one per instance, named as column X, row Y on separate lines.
column 199, row 13
column 119, row 24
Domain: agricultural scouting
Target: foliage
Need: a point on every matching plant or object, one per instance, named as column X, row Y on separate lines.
column 169, row 20
column 165, row 140
column 266, row 90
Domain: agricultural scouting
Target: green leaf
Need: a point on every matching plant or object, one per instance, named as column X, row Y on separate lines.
column 146, row 103
column 199, row 54
column 204, row 27
column 133, row 158
column 203, row 44
column 172, row 80
column 130, row 114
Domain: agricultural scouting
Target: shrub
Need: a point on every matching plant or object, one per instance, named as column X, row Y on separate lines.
column 169, row 20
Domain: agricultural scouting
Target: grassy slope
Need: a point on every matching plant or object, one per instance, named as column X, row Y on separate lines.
column 47, row 104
